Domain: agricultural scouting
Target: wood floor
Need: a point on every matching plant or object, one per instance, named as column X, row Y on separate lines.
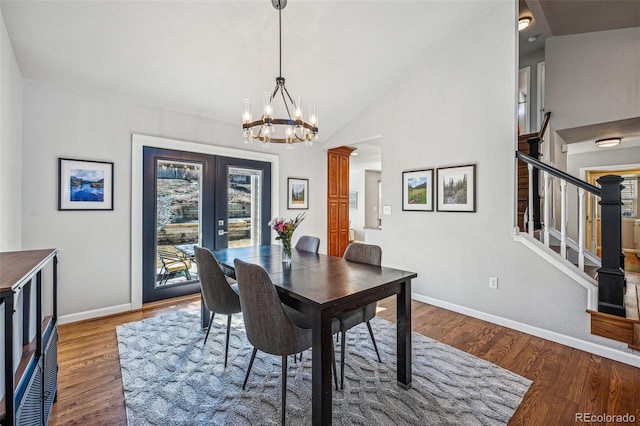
column 566, row 381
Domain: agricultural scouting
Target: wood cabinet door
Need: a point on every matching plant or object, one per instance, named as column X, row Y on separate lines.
column 338, row 200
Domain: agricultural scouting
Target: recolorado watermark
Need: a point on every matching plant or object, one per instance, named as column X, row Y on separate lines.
column 604, row 418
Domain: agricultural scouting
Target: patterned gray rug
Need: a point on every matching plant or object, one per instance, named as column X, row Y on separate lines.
column 169, row 378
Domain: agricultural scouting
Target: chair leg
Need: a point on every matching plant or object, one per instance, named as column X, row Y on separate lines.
column 226, row 349
column 335, row 367
column 342, row 350
column 253, row 356
column 373, row 339
column 284, row 387
column 209, row 329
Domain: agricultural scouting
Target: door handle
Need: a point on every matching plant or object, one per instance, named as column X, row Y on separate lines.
column 222, row 232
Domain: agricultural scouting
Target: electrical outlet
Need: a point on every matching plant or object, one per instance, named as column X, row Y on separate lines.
column 493, row 282
column 386, row 210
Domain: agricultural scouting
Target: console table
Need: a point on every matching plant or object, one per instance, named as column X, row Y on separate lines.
column 30, row 390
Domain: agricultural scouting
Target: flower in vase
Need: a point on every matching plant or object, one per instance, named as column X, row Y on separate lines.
column 284, row 228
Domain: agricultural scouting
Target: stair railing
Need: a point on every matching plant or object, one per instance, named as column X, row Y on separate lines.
column 611, row 278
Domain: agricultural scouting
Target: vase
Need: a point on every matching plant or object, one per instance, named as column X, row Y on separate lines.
column 286, row 251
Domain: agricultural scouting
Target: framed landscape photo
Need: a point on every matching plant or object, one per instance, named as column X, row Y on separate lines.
column 417, row 190
column 85, row 185
column 457, row 188
column 297, row 193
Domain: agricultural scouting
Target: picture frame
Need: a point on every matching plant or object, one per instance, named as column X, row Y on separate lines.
column 457, row 188
column 353, row 199
column 417, row 190
column 85, row 185
column 297, row 194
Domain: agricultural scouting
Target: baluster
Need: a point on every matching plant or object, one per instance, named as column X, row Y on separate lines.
column 593, row 223
column 581, row 229
column 553, row 201
column 563, row 219
column 547, row 200
column 530, row 224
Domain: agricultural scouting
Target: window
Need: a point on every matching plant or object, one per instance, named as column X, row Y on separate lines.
column 630, row 196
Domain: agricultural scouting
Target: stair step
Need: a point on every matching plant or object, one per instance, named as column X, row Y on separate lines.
column 631, row 296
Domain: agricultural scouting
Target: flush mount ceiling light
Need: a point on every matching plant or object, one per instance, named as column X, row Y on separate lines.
column 288, row 130
column 608, row 142
column 523, row 23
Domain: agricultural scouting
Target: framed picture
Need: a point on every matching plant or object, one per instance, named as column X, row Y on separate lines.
column 417, row 190
column 297, row 193
column 353, row 199
column 457, row 188
column 85, row 185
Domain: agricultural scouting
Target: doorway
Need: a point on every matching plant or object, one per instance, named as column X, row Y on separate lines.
column 195, row 199
column 630, row 214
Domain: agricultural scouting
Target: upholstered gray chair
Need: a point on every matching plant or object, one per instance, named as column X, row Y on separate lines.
column 371, row 255
column 271, row 326
column 307, row 243
column 219, row 292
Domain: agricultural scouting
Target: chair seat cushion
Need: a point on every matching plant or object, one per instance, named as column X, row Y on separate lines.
column 303, row 320
column 175, row 267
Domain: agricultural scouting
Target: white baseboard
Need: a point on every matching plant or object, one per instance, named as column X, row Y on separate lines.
column 604, row 351
column 65, row 319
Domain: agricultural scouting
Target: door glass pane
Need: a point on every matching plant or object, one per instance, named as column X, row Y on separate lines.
column 178, row 213
column 244, row 201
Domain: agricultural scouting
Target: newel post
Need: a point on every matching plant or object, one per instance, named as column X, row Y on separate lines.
column 534, row 151
column 611, row 273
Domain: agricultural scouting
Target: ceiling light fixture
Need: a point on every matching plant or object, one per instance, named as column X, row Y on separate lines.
column 523, row 23
column 608, row 142
column 287, row 130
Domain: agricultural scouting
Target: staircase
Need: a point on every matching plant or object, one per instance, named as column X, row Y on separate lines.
column 542, row 219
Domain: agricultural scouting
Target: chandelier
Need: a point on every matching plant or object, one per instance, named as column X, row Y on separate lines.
column 289, row 130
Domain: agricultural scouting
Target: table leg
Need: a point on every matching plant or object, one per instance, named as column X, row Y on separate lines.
column 322, row 398
column 403, row 300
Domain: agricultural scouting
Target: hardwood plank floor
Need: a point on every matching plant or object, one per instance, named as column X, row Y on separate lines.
column 566, row 381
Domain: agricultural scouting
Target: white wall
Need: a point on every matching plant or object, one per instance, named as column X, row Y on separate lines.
column 356, row 216
column 370, row 200
column 593, row 78
column 469, row 117
column 10, row 145
column 10, row 160
column 95, row 246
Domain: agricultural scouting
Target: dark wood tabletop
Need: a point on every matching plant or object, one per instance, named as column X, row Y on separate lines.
column 323, row 287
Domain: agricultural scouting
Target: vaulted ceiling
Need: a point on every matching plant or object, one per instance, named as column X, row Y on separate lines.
column 203, row 57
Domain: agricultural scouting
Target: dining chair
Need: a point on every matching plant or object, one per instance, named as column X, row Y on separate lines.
column 172, row 263
column 219, row 292
column 372, row 255
column 308, row 243
column 271, row 326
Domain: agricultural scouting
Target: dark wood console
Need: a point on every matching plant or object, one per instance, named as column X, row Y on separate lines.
column 30, row 390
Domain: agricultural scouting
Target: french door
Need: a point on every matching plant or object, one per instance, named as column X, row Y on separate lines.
column 193, row 199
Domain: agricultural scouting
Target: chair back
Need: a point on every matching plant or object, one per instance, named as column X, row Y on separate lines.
column 363, row 253
column 217, row 294
column 169, row 258
column 268, row 326
column 369, row 254
column 308, row 243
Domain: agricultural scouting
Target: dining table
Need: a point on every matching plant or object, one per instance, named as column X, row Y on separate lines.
column 324, row 287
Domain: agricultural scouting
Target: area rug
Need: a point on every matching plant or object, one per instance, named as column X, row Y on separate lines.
column 170, row 378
